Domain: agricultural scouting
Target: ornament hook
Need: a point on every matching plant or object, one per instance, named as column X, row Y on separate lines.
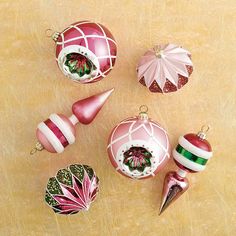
column 52, row 34
column 204, row 130
column 143, row 109
column 33, row 151
column 38, row 147
column 158, row 51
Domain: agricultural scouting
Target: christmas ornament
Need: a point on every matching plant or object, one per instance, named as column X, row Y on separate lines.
column 57, row 132
column 191, row 155
column 85, row 51
column 138, row 147
column 72, row 189
column 165, row 68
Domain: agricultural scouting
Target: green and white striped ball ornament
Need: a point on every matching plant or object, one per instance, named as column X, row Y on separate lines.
column 193, row 151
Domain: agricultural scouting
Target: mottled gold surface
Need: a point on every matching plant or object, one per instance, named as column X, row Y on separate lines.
column 32, row 87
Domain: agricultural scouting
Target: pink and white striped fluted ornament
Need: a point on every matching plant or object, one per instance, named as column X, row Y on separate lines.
column 138, row 147
column 165, row 68
column 58, row 131
column 191, row 155
column 85, row 51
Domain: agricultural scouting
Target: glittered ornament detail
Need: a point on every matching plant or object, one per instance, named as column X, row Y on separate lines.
column 72, row 189
column 85, row 51
column 165, row 68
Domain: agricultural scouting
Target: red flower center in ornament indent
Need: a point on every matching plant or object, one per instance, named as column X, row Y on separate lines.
column 137, row 158
column 79, row 64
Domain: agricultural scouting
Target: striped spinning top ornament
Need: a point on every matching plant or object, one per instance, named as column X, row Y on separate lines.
column 72, row 190
column 191, row 155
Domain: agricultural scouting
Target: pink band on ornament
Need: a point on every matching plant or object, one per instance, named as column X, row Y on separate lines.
column 57, row 132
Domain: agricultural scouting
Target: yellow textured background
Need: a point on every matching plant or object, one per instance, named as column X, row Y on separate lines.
column 32, row 87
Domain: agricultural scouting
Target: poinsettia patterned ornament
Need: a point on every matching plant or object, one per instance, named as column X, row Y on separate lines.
column 138, row 147
column 72, row 189
column 85, row 51
column 165, row 68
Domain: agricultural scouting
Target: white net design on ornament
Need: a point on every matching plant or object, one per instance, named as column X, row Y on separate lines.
column 131, row 131
column 85, row 37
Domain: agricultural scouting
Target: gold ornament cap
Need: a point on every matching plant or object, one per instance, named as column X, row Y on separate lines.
column 143, row 109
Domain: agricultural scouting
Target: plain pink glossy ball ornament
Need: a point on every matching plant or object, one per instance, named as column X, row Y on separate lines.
column 58, row 131
column 85, row 51
column 138, row 147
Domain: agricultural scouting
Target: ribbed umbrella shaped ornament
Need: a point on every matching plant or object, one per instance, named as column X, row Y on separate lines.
column 165, row 68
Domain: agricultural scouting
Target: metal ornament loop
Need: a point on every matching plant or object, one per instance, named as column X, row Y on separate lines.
column 52, row 34
column 205, row 128
column 33, row 151
column 143, row 109
column 49, row 33
column 38, row 147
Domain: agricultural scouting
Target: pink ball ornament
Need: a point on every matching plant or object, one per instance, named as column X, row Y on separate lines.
column 138, row 147
column 85, row 51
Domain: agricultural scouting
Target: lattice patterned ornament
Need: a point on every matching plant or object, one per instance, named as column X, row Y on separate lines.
column 85, row 51
column 72, row 189
column 165, row 68
column 138, row 147
column 191, row 155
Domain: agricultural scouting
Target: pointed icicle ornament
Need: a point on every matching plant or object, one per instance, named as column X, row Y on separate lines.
column 191, row 155
column 58, row 131
column 165, row 68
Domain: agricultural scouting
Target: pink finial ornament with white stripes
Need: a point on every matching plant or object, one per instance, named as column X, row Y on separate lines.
column 138, row 147
column 85, row 51
column 58, row 131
